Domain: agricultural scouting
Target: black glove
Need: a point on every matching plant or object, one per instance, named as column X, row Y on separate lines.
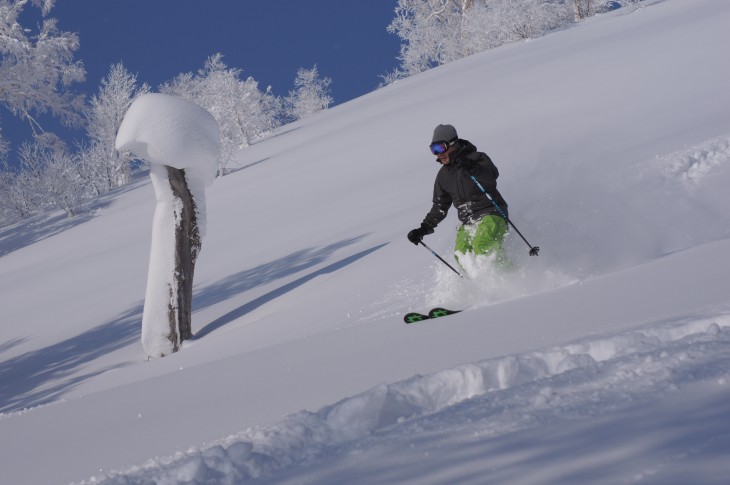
column 416, row 235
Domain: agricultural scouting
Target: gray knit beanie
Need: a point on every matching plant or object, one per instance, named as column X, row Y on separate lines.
column 444, row 133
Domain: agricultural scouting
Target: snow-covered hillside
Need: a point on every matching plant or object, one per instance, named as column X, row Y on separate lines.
column 604, row 360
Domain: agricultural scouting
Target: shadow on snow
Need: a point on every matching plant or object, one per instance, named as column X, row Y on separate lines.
column 21, row 234
column 45, row 375
column 42, row 226
column 263, row 274
column 266, row 273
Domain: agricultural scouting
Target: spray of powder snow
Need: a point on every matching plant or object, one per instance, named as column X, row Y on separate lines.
column 485, row 283
column 689, row 181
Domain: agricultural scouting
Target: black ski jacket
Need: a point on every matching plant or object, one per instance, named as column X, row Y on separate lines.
column 454, row 186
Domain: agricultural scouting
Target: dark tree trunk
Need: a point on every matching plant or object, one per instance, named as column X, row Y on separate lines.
column 187, row 247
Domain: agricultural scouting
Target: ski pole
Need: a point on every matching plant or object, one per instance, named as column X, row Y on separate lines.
column 533, row 249
column 442, row 259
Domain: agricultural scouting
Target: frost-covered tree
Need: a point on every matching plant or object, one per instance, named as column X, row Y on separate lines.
column 63, row 185
column 37, row 69
column 434, row 32
column 242, row 111
column 48, row 177
column 108, row 167
column 429, row 31
column 310, row 94
column 21, row 193
column 582, row 9
column 7, row 211
column 528, row 19
column 14, row 204
column 4, row 146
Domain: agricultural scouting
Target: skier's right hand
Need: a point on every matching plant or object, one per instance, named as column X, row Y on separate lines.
column 416, row 235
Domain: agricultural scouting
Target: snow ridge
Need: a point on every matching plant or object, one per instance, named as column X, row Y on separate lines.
column 593, row 376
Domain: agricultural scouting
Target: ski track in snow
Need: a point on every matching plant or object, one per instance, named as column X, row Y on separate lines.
column 578, row 381
column 692, row 164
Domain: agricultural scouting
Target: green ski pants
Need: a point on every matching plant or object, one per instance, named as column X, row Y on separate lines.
column 484, row 237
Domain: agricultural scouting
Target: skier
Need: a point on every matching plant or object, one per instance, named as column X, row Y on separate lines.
column 483, row 226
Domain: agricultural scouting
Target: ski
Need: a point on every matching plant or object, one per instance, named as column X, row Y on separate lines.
column 414, row 317
column 437, row 312
column 441, row 312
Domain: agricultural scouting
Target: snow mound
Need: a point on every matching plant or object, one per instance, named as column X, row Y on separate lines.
column 592, row 376
column 692, row 164
column 169, row 130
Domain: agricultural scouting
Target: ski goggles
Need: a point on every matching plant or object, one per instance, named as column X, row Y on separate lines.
column 439, row 147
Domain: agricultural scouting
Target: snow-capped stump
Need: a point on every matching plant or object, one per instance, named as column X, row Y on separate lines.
column 181, row 141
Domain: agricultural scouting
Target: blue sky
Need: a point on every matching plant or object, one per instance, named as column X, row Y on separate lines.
column 269, row 39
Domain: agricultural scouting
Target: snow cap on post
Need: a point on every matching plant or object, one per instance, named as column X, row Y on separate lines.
column 169, row 130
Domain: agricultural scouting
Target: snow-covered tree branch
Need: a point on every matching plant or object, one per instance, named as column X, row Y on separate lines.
column 37, row 71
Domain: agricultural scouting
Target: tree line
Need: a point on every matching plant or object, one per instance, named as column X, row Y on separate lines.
column 435, row 32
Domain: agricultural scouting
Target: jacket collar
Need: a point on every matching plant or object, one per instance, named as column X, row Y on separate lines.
column 464, row 148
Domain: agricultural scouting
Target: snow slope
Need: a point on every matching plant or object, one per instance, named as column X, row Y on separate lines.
column 604, row 360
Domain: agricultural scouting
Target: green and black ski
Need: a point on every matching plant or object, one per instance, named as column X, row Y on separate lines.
column 414, row 317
